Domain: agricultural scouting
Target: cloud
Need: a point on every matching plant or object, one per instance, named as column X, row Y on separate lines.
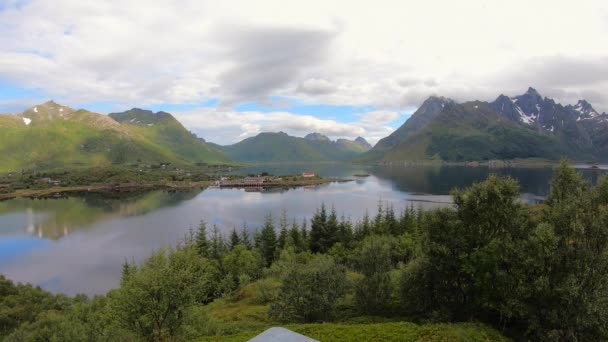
column 225, row 126
column 379, row 117
column 268, row 59
column 314, row 86
column 564, row 78
column 329, row 52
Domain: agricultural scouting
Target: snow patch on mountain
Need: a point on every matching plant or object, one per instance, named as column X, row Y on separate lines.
column 584, row 111
column 527, row 118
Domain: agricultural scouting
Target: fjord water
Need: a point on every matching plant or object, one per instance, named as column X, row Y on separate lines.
column 77, row 244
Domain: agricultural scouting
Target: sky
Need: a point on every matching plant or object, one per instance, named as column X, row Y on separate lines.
column 232, row 69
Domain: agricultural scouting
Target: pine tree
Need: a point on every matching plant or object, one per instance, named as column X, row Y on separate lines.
column 390, row 221
column 407, row 220
column 318, row 231
column 201, row 241
column 364, row 227
column 217, row 245
column 304, row 235
column 283, row 232
column 128, row 269
column 234, row 239
column 257, row 239
column 245, row 239
column 295, row 239
column 331, row 229
column 345, row 231
column 379, row 226
column 268, row 241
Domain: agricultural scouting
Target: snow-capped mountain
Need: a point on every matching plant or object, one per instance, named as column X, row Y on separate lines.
column 524, row 126
column 584, row 110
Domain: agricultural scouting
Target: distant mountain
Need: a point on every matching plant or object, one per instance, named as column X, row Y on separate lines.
column 524, row 126
column 316, row 137
column 363, row 143
column 280, row 147
column 50, row 135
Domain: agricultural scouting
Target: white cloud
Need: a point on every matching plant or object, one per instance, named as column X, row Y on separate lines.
column 316, row 86
column 390, row 55
column 225, row 126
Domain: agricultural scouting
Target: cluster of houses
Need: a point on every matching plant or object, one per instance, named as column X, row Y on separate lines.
column 51, row 181
column 247, row 181
column 259, row 181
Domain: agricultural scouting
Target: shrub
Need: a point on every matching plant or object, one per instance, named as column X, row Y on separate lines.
column 309, row 292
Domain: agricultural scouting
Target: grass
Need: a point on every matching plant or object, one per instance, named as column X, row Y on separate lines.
column 399, row 331
column 242, row 317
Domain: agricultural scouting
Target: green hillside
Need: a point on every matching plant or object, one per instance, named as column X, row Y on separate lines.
column 165, row 131
column 280, row 147
column 51, row 136
column 524, row 126
column 470, row 131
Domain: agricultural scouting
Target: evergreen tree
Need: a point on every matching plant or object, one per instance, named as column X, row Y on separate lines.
column 268, row 241
column 364, row 227
column 201, row 241
column 295, row 237
column 407, row 220
column 235, row 239
column 283, row 232
column 379, row 226
column 390, row 221
column 245, row 239
column 345, row 231
column 217, row 245
column 257, row 239
column 304, row 234
column 318, row 228
column 331, row 229
column 127, row 270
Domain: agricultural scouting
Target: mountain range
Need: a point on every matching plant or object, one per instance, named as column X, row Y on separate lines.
column 281, row 147
column 50, row 135
column 524, row 126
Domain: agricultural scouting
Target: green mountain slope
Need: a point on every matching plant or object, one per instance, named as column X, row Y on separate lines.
column 50, row 136
column 442, row 129
column 280, row 147
column 163, row 130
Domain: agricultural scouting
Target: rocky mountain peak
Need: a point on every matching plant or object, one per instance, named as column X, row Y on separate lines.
column 361, row 141
column 316, row 137
column 138, row 116
column 532, row 92
column 583, row 110
column 47, row 111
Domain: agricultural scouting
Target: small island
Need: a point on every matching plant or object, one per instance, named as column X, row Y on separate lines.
column 361, row 175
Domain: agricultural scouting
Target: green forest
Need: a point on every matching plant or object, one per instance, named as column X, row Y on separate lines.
column 488, row 268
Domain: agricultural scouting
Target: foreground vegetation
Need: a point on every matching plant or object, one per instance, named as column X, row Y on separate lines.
column 531, row 273
column 388, row 332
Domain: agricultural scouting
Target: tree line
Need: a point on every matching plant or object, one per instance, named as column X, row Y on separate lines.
column 533, row 272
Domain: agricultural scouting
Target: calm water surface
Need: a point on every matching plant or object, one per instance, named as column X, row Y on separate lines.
column 77, row 244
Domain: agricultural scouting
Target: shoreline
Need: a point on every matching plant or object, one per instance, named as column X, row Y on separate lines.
column 512, row 163
column 52, row 192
